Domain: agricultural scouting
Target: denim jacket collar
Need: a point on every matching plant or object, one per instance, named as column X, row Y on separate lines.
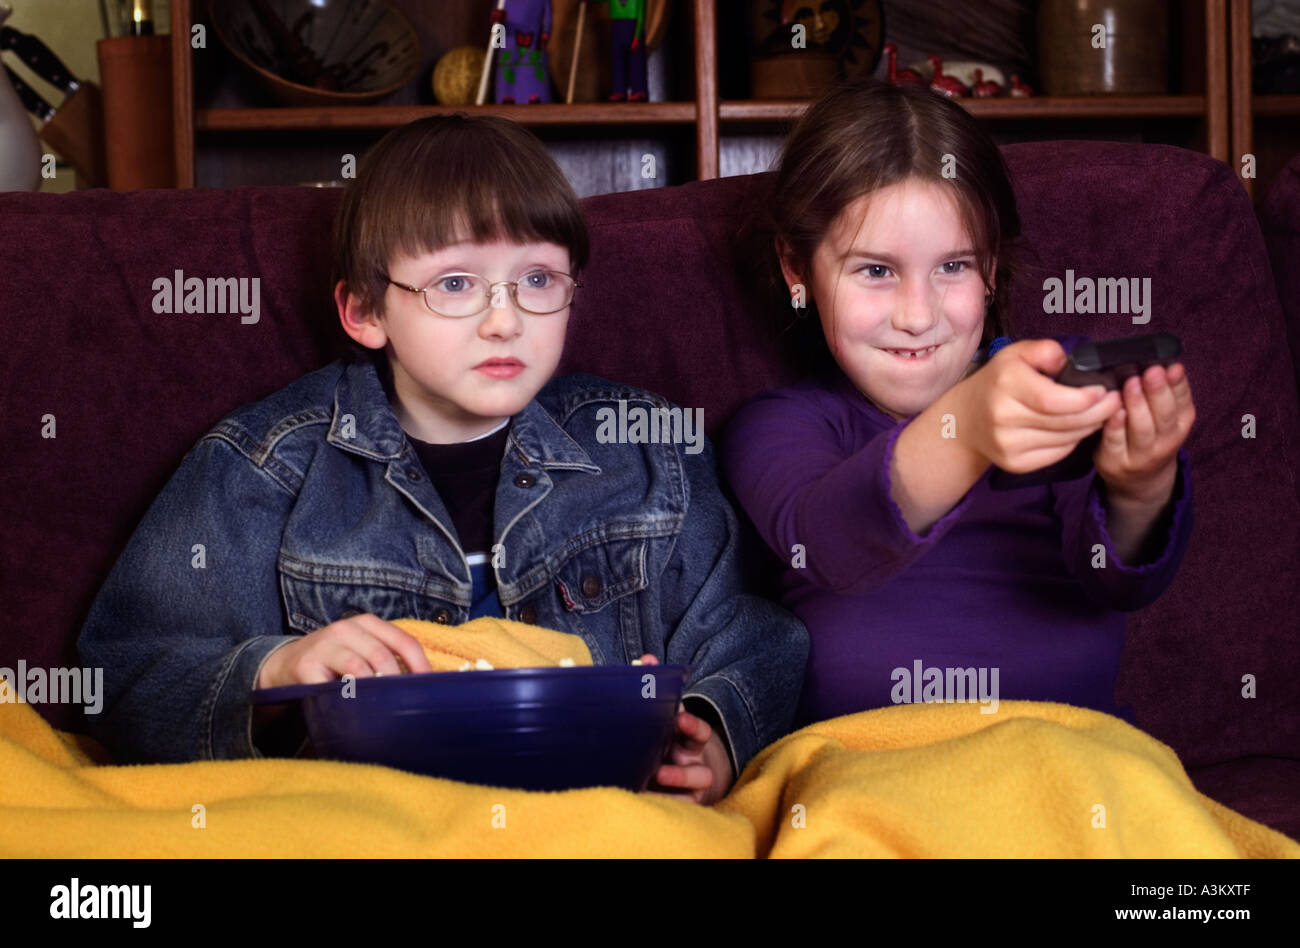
column 364, row 423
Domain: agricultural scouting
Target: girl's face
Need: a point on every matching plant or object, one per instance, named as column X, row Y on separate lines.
column 457, row 378
column 896, row 274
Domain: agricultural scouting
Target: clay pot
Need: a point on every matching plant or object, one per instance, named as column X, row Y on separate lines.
column 1133, row 61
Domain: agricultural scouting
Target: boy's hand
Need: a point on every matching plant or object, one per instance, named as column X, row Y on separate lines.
column 1137, row 455
column 697, row 766
column 359, row 645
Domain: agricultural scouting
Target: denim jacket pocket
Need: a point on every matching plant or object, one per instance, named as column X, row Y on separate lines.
column 596, row 575
column 312, row 604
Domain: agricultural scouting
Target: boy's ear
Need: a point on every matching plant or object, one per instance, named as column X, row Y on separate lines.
column 359, row 323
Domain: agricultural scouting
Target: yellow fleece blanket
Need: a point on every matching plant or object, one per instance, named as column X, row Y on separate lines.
column 931, row 780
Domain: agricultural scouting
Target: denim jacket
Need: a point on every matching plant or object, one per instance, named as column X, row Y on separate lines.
column 307, row 505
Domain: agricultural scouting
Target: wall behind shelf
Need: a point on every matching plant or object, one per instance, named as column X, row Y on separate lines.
column 593, row 165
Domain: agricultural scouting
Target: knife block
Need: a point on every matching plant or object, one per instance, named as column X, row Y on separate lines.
column 135, row 73
column 76, row 131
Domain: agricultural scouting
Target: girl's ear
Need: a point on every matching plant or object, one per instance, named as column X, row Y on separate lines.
column 358, row 322
column 786, row 259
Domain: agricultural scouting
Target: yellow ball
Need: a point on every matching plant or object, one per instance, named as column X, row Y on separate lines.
column 456, row 76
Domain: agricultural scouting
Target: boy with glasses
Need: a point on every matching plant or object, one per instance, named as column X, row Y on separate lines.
column 438, row 473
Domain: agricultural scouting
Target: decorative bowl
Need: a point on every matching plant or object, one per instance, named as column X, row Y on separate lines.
column 321, row 52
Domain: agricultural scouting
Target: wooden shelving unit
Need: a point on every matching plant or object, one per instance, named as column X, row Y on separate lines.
column 391, row 116
column 1225, row 109
column 1259, row 125
column 1090, row 107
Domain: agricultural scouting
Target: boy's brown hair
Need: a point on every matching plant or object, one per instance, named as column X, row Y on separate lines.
column 443, row 178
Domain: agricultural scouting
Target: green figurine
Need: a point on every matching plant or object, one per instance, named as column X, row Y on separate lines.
column 627, row 63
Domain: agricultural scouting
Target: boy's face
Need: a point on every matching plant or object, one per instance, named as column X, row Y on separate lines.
column 447, row 389
column 897, row 271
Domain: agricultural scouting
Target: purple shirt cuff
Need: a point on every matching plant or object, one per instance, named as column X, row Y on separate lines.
column 1121, row 585
column 939, row 527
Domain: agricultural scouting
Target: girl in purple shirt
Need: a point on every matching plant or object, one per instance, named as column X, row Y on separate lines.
column 894, row 219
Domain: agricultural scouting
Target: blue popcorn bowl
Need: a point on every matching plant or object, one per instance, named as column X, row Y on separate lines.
column 524, row 728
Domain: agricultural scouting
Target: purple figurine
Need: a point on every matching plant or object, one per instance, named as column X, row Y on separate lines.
column 522, row 74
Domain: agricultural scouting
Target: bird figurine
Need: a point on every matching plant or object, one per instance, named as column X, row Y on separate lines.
column 1018, row 89
column 949, row 86
column 904, row 76
column 982, row 89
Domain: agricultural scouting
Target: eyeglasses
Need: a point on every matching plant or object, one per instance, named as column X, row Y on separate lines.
column 457, row 295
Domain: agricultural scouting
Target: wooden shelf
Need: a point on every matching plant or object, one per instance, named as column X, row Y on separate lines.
column 1224, row 109
column 1034, row 107
column 354, row 117
column 1274, row 105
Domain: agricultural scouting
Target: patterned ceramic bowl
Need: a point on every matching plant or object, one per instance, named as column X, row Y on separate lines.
column 321, row 52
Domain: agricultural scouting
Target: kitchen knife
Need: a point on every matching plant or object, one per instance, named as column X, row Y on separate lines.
column 39, row 58
column 30, row 99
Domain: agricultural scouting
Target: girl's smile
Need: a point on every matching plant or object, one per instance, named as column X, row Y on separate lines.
column 913, row 355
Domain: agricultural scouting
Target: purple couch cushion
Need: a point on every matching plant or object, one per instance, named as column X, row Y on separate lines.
column 1182, row 219
column 1280, row 217
column 132, row 390
column 1266, row 789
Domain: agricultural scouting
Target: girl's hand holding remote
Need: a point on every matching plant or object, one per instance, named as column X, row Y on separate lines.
column 1137, row 458
column 1013, row 413
column 1138, row 453
column 1010, row 412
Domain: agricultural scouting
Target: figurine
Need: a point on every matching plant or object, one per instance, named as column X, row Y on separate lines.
column 982, row 89
column 627, row 62
column 1018, row 89
column 949, row 86
column 904, row 76
column 522, row 73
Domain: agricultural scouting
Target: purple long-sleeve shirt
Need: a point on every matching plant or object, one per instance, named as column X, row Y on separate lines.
column 1005, row 580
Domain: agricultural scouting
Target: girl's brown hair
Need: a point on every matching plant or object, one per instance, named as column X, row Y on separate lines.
column 436, row 180
column 866, row 134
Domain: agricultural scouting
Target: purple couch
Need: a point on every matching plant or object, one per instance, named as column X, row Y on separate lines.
column 1280, row 217
column 663, row 307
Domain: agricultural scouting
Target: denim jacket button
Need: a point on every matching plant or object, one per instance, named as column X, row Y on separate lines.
column 591, row 586
column 528, row 614
column 414, row 474
column 525, row 480
column 442, row 616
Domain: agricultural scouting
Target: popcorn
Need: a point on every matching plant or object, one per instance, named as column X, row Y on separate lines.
column 482, row 664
